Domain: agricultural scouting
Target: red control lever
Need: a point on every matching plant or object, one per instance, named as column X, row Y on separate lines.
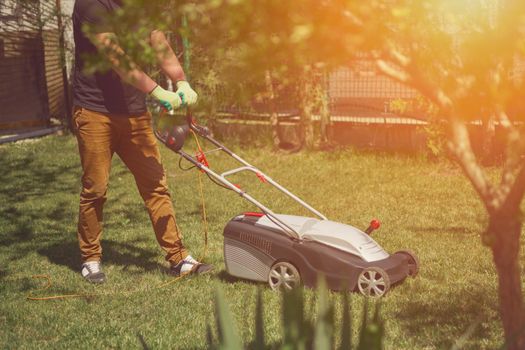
column 374, row 225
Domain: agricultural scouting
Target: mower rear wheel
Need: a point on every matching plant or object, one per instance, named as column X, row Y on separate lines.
column 373, row 282
column 284, row 275
column 413, row 262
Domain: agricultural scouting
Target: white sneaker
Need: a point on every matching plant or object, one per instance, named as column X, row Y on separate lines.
column 92, row 272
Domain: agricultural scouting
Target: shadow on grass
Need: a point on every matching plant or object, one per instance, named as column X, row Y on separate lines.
column 39, row 196
column 225, row 277
column 143, row 342
column 460, row 230
column 114, row 253
column 28, row 176
column 34, row 192
column 26, row 222
column 440, row 314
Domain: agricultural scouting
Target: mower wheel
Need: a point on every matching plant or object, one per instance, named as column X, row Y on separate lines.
column 284, row 275
column 413, row 262
column 373, row 282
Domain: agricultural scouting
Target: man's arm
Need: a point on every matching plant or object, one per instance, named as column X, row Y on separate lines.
column 166, row 58
column 169, row 63
column 133, row 74
column 106, row 43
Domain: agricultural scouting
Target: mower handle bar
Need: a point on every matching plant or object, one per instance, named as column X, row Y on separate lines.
column 201, row 131
column 281, row 188
column 287, row 229
column 222, row 178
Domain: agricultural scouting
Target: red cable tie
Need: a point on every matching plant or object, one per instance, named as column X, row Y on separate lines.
column 201, row 158
column 261, row 177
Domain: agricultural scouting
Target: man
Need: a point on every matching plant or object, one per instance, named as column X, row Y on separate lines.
column 110, row 117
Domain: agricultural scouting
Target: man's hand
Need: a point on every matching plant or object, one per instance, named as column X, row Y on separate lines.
column 169, row 100
column 186, row 93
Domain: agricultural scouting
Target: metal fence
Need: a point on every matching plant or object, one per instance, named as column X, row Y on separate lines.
column 31, row 65
column 359, row 94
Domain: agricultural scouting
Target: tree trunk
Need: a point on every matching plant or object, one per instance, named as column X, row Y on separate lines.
column 274, row 120
column 308, row 128
column 489, row 136
column 306, row 109
column 323, row 104
column 505, row 231
column 324, row 111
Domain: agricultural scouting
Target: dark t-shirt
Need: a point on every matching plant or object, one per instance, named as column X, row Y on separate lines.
column 101, row 92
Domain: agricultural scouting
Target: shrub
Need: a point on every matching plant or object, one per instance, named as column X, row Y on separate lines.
column 299, row 330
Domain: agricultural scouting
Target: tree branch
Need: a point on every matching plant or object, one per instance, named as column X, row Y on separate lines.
column 399, row 67
column 391, row 71
column 462, row 149
column 512, row 186
column 516, row 192
column 356, row 21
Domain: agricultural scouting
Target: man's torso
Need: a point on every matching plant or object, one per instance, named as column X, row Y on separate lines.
column 103, row 92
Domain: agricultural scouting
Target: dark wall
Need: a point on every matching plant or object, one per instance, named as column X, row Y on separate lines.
column 31, row 84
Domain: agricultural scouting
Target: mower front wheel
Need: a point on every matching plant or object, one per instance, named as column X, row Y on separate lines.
column 373, row 282
column 283, row 275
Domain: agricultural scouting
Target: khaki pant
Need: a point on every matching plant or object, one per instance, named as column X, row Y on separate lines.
column 99, row 136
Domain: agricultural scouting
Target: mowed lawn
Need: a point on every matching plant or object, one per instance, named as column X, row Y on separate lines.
column 424, row 206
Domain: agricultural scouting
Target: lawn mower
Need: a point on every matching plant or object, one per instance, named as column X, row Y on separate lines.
column 287, row 250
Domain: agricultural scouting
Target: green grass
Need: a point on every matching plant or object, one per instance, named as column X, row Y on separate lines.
column 424, row 206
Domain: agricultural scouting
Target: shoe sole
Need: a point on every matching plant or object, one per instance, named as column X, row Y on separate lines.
column 96, row 280
column 194, row 273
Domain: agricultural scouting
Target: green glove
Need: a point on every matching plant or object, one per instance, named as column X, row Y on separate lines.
column 169, row 100
column 186, row 93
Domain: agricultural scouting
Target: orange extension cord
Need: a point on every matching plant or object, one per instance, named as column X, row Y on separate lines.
column 49, row 283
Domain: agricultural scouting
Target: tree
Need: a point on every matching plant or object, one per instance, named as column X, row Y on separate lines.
column 472, row 74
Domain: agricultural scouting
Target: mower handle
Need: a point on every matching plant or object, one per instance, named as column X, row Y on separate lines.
column 204, row 132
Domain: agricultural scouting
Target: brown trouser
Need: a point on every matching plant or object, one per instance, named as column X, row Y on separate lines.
column 99, row 136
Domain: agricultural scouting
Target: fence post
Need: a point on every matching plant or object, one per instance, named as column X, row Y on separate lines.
column 44, row 93
column 65, row 81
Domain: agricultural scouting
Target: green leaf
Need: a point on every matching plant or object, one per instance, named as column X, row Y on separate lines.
column 259, row 322
column 346, row 333
column 325, row 324
column 228, row 336
column 364, row 325
column 295, row 333
column 372, row 332
column 209, row 337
